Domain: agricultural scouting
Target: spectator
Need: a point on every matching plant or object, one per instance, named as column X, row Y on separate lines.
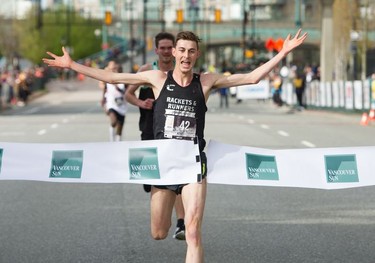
column 299, row 83
column 224, row 94
column 276, row 85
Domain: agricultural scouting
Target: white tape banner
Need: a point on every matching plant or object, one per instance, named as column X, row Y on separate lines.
column 156, row 162
column 322, row 168
column 168, row 162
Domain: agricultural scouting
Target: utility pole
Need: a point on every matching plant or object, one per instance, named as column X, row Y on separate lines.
column 68, row 23
column 297, row 13
column 131, row 31
column 162, row 16
column 252, row 13
column 39, row 17
column 144, row 57
column 244, row 22
column 364, row 42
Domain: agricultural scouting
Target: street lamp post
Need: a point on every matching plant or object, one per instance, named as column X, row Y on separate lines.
column 129, row 7
column 354, row 37
column 162, row 16
column 364, row 41
column 144, row 54
column 244, row 23
column 252, row 13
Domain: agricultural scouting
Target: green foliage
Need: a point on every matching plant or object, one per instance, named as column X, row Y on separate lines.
column 60, row 28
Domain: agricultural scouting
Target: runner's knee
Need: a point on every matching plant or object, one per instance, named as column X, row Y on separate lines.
column 193, row 232
column 159, row 230
column 159, row 234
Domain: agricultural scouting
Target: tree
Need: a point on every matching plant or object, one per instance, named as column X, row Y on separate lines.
column 351, row 43
column 342, row 18
column 8, row 40
column 27, row 40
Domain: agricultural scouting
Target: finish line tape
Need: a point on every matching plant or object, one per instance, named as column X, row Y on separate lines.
column 322, row 168
column 145, row 162
column 168, row 162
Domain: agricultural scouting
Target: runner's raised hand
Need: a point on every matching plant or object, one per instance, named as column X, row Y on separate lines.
column 63, row 61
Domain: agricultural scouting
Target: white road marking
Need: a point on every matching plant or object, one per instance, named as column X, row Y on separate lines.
column 308, row 144
column 283, row 133
column 54, row 126
column 264, row 126
column 42, row 132
column 250, row 121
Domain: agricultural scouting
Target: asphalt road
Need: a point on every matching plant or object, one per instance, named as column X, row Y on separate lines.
column 55, row 222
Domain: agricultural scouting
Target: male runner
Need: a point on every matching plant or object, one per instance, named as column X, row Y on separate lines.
column 181, row 99
column 164, row 42
column 114, row 103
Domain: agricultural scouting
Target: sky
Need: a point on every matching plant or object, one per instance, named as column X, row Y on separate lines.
column 14, row 8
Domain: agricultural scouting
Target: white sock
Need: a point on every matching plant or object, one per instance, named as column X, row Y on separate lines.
column 111, row 134
column 117, row 138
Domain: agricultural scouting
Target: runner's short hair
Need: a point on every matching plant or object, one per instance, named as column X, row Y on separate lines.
column 188, row 35
column 163, row 35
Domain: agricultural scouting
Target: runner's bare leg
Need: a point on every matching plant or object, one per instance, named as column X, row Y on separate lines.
column 162, row 201
column 194, row 199
column 179, row 207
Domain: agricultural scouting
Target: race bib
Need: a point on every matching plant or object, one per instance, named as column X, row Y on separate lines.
column 180, row 127
column 119, row 101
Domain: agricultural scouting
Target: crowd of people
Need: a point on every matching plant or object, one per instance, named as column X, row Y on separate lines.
column 300, row 78
column 17, row 85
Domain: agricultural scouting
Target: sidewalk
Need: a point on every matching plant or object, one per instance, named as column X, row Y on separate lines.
column 56, row 85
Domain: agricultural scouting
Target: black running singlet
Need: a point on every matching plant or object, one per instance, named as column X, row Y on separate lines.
column 179, row 112
column 146, row 115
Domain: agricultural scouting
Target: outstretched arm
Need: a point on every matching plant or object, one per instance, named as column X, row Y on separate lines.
column 65, row 61
column 259, row 73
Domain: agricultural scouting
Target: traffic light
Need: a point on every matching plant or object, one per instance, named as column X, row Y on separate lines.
column 270, row 44
column 179, row 16
column 217, row 16
column 149, row 44
column 249, row 53
column 108, row 18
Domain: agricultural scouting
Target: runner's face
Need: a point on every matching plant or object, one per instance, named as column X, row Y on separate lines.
column 164, row 50
column 186, row 54
column 112, row 66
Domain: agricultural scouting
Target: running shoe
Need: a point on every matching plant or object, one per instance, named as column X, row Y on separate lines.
column 179, row 234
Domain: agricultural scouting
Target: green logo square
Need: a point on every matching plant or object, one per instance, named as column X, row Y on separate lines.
column 1, row 158
column 341, row 168
column 143, row 163
column 261, row 167
column 66, row 164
